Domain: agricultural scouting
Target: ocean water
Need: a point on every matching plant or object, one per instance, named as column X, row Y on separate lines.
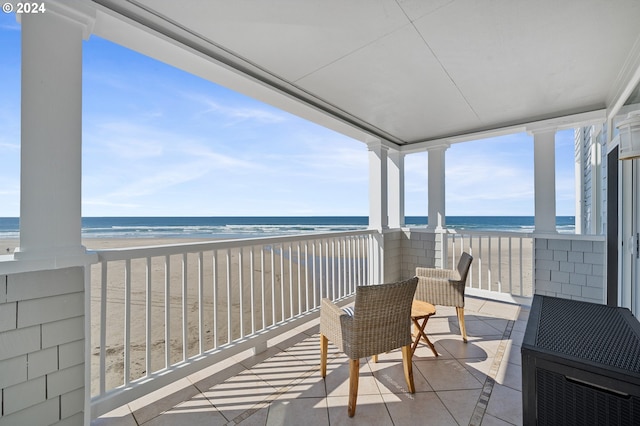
column 249, row 227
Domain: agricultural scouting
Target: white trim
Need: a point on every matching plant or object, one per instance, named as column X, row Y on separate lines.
column 9, row 265
column 558, row 123
column 628, row 79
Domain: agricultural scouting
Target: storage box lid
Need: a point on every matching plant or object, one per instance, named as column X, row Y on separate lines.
column 595, row 333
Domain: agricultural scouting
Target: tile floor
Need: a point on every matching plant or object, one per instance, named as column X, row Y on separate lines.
column 477, row 383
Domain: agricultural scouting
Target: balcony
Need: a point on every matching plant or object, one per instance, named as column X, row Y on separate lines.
column 243, row 318
column 473, row 383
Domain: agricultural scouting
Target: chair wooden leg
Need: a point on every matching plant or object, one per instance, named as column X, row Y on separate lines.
column 375, row 358
column 354, row 374
column 324, row 343
column 463, row 330
column 408, row 367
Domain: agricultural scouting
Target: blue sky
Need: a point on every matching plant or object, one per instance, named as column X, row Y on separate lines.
column 160, row 142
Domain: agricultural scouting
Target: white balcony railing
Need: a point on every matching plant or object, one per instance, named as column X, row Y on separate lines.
column 503, row 262
column 157, row 310
column 160, row 313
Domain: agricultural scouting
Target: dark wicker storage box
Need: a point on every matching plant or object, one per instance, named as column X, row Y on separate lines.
column 580, row 364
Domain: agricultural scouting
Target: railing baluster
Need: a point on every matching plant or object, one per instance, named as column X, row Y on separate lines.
column 337, row 271
column 282, row 298
column 471, row 253
column 362, row 247
column 320, row 271
column 480, row 263
column 252, row 295
column 490, row 265
column 127, row 321
column 500, row 264
column 103, row 326
column 201, row 302
column 185, row 309
column 350, row 260
column 290, row 280
column 333, row 270
column 326, row 279
column 345, row 268
column 262, row 273
column 306, row 276
column 167, row 311
column 356, row 281
column 228, row 271
column 241, row 291
column 214, row 285
column 273, row 285
column 299, row 278
column 148, row 343
column 510, row 268
column 521, row 271
column 314, row 280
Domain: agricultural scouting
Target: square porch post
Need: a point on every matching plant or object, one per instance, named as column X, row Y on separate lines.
column 51, row 134
column 396, row 189
column 544, row 159
column 437, row 201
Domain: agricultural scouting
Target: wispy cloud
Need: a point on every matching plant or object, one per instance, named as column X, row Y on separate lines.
column 104, row 203
column 218, row 160
column 100, row 78
column 9, row 191
column 236, row 114
column 164, row 177
column 10, row 146
column 10, row 27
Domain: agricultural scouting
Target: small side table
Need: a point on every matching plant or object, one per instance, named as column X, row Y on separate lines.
column 420, row 314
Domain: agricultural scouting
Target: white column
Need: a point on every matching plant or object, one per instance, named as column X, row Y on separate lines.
column 579, row 179
column 378, row 193
column 396, row 189
column 51, row 129
column 544, row 161
column 436, row 187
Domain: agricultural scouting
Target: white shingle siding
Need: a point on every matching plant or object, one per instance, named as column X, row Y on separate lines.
column 8, row 316
column 13, row 371
column 418, row 249
column 576, row 270
column 23, row 395
column 42, row 342
column 591, row 167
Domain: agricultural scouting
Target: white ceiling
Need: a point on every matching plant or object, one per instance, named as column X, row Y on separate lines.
column 411, row 71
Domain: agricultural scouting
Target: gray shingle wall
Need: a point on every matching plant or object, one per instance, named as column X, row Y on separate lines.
column 570, row 268
column 392, row 255
column 418, row 248
column 42, row 347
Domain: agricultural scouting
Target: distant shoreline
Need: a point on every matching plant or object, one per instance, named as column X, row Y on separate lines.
column 233, row 227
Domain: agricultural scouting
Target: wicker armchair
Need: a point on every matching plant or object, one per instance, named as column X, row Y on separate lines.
column 445, row 287
column 381, row 321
